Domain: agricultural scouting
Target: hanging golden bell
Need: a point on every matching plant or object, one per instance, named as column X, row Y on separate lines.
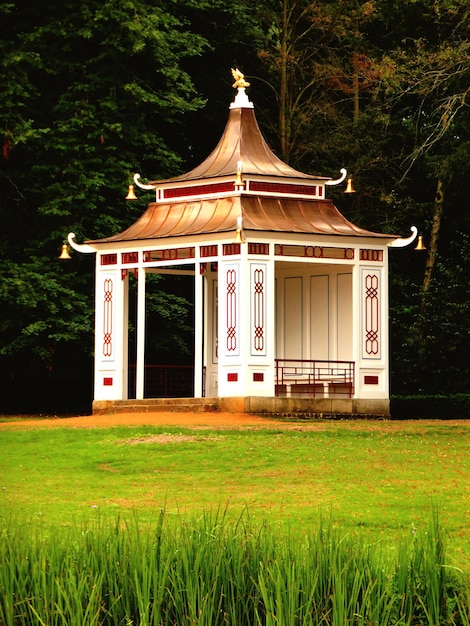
column 238, row 178
column 64, row 255
column 131, row 194
column 239, row 236
column 420, row 245
column 349, row 187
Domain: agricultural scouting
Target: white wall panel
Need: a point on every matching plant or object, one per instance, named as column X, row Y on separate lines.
column 293, row 321
column 319, row 317
column 344, row 318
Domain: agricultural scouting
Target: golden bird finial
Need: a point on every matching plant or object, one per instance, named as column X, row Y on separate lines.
column 240, row 82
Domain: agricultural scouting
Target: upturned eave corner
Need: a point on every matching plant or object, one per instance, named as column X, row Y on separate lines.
column 402, row 242
column 85, row 248
column 149, row 187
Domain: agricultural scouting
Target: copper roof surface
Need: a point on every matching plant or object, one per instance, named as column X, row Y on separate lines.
column 288, row 215
column 243, row 142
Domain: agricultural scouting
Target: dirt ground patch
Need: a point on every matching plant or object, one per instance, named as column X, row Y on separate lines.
column 158, row 418
column 214, row 420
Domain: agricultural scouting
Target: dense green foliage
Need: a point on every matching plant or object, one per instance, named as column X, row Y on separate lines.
column 94, row 91
column 442, row 407
column 208, row 571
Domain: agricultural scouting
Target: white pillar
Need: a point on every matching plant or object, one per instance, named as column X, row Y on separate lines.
column 230, row 289
column 140, row 353
column 125, row 338
column 198, row 330
column 110, row 334
column 372, row 328
column 356, row 321
column 246, row 325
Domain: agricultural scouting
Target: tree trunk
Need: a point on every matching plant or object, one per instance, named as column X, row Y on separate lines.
column 433, row 240
column 283, row 84
column 356, row 110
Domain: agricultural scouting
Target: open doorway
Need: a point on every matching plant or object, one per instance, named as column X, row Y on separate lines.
column 169, row 333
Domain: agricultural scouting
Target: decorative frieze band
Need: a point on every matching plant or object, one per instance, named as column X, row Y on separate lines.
column 314, row 252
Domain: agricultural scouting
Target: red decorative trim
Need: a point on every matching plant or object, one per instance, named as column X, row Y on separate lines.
column 314, row 252
column 230, row 249
column 258, row 310
column 108, row 259
column 170, row 254
column 231, row 310
column 232, row 377
column 129, row 257
column 372, row 314
column 208, row 250
column 371, row 380
column 304, row 190
column 258, row 248
column 371, row 255
column 258, row 377
column 125, row 273
column 108, row 317
column 108, row 382
column 197, row 190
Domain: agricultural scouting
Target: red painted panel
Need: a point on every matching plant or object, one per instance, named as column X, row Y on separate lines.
column 130, row 257
column 371, row 380
column 258, row 248
column 108, row 382
column 283, row 188
column 198, row 190
column 209, row 250
column 231, row 248
column 232, row 377
column 108, row 259
column 258, row 377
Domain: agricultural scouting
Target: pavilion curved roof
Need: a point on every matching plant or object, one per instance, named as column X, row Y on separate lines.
column 218, row 215
column 213, row 196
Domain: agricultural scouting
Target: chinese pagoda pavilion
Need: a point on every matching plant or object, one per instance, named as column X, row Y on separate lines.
column 290, row 298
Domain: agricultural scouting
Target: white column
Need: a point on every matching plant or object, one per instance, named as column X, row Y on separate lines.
column 372, row 336
column 356, row 320
column 198, row 329
column 211, row 337
column 125, row 338
column 246, row 325
column 110, row 334
column 140, row 355
column 230, row 290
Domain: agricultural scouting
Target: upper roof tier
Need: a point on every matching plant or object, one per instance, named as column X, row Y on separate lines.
column 241, row 147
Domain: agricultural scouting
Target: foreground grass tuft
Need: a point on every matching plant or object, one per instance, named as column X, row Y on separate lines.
column 212, row 571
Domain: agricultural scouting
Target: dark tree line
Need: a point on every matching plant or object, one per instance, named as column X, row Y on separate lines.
column 93, row 91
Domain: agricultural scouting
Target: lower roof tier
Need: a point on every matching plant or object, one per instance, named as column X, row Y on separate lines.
column 258, row 213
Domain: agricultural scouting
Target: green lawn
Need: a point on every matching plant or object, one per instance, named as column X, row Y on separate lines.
column 381, row 483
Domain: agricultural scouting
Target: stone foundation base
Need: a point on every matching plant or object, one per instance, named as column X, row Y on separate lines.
column 320, row 408
column 308, row 407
